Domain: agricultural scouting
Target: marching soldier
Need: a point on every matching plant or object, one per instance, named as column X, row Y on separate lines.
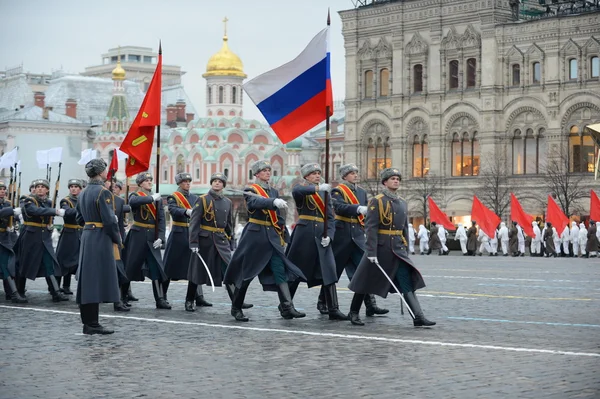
column 36, row 254
column 211, row 237
column 100, row 242
column 67, row 250
column 386, row 227
column 308, row 248
column 261, row 248
column 350, row 205
column 7, row 255
column 142, row 248
column 472, row 239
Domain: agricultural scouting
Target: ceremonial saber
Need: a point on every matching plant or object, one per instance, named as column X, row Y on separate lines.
column 396, row 288
column 212, row 282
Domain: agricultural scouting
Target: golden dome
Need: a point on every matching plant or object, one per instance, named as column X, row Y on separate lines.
column 225, row 62
column 118, row 73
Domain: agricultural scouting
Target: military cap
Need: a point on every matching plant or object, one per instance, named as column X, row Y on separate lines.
column 179, row 177
column 309, row 168
column 2, row 184
column 348, row 168
column 94, row 167
column 389, row 172
column 75, row 182
column 259, row 166
column 42, row 182
column 119, row 184
column 142, row 177
column 219, row 176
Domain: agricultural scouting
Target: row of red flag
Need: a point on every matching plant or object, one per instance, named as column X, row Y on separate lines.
column 488, row 221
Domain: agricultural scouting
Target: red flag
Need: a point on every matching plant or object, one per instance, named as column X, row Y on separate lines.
column 556, row 216
column 114, row 166
column 594, row 206
column 517, row 214
column 486, row 219
column 139, row 140
column 436, row 215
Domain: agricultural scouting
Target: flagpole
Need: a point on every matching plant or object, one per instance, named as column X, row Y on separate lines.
column 327, row 132
column 156, row 234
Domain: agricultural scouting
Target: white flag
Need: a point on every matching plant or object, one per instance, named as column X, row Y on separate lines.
column 121, row 155
column 87, row 156
column 55, row 154
column 41, row 157
column 9, row 159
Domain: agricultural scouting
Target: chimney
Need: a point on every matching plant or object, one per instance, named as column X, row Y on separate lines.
column 189, row 117
column 171, row 113
column 71, row 108
column 46, row 112
column 38, row 99
column 180, row 110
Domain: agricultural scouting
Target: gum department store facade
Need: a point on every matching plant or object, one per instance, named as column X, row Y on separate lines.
column 439, row 87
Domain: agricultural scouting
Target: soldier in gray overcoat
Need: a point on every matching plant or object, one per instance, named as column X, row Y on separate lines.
column 67, row 250
column 591, row 246
column 472, row 239
column 260, row 250
column 513, row 240
column 350, row 205
column 309, row 249
column 387, row 228
column 100, row 242
column 142, row 247
column 549, row 239
column 36, row 253
column 7, row 255
column 434, row 239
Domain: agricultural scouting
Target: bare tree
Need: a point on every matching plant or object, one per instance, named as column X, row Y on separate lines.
column 418, row 189
column 494, row 188
column 566, row 187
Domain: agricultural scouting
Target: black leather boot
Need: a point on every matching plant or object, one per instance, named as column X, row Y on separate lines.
column 120, row 307
column 200, row 301
column 189, row 306
column 238, row 299
column 372, row 308
column 355, row 319
column 130, row 296
column 286, row 306
column 165, row 288
column 14, row 293
column 230, row 288
column 321, row 305
column 21, row 283
column 7, row 295
column 332, row 303
column 161, row 303
column 66, row 288
column 413, row 303
column 57, row 296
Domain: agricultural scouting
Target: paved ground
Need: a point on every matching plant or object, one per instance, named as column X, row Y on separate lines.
column 507, row 327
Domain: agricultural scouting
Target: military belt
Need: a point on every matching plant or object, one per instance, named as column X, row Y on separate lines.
column 144, row 225
column 311, row 218
column 181, row 224
column 72, row 226
column 345, row 219
column 261, row 222
column 2, row 230
column 213, row 229
column 391, row 232
column 95, row 224
column 34, row 224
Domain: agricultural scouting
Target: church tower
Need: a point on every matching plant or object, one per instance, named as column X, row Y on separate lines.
column 117, row 117
column 224, row 78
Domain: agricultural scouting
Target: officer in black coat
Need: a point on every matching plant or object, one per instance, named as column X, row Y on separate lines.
column 350, row 205
column 100, row 242
column 142, row 247
column 387, row 228
column 261, row 248
column 36, row 253
column 7, row 255
column 308, row 248
column 67, row 250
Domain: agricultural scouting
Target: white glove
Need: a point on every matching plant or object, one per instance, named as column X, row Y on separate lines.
column 373, row 259
column 279, row 203
column 10, row 229
column 362, row 210
column 188, row 212
column 157, row 243
column 116, row 219
column 195, row 250
column 17, row 211
column 50, row 227
column 325, row 187
column 325, row 241
column 60, row 212
column 156, row 196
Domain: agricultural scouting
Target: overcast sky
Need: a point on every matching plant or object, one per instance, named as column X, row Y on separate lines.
column 72, row 34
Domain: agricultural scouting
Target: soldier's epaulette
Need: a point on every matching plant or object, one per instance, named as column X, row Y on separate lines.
column 379, row 196
column 250, row 188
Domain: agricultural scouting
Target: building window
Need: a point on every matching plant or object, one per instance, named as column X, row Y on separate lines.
column 134, row 58
column 221, row 95
column 250, row 175
column 418, row 78
column 573, row 69
column 581, row 152
column 226, row 173
column 516, row 75
column 465, row 155
column 210, row 95
column 595, row 67
column 180, row 164
column 369, row 84
column 454, row 74
column 275, row 172
column 378, row 157
column 420, row 157
column 527, row 152
column 165, row 176
column 471, row 72
column 536, row 73
column 148, row 59
column 197, row 173
column 384, row 82
column 233, row 94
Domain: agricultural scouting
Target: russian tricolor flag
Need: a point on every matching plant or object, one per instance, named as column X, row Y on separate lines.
column 293, row 98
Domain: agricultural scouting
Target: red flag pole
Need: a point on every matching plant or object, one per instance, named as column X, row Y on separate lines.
column 158, row 204
column 326, row 201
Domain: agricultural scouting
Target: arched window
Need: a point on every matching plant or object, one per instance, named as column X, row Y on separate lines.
column 528, row 149
column 369, row 84
column 518, row 153
column 221, row 100
column 180, row 167
column 536, row 73
column 384, row 82
column 595, row 67
column 378, row 150
column 581, row 151
column 572, row 69
column 250, row 175
column 453, row 79
column 420, row 157
column 471, row 72
column 233, row 94
column 226, row 173
column 516, row 75
column 210, row 95
column 465, row 155
column 417, row 78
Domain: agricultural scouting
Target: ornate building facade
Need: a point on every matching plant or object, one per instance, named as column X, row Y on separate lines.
column 440, row 88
